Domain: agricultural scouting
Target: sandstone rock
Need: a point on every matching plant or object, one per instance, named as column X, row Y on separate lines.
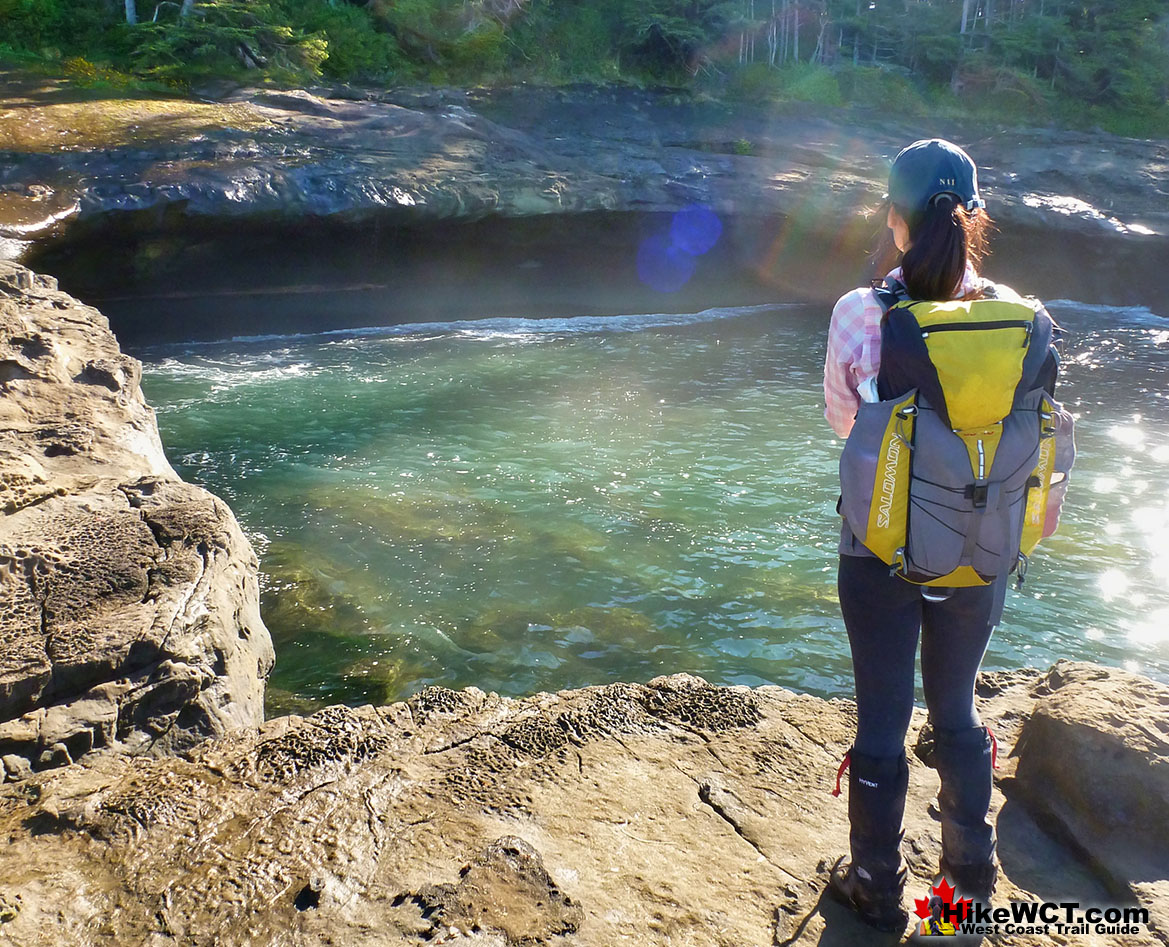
column 668, row 813
column 1094, row 764
column 16, row 767
column 128, row 599
column 505, row 889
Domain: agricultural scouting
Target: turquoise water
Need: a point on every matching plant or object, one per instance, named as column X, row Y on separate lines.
column 532, row 505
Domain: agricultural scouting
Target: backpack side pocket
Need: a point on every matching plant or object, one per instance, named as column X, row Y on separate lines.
column 1048, row 483
column 874, row 474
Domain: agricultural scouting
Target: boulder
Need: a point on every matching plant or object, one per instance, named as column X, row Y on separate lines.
column 1093, row 765
column 129, row 603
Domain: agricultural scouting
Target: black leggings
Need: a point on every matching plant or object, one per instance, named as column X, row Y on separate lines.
column 883, row 615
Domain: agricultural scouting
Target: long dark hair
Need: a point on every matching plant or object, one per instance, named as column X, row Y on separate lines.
column 944, row 238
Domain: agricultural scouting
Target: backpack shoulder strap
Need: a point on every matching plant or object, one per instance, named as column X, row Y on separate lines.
column 988, row 289
column 889, row 292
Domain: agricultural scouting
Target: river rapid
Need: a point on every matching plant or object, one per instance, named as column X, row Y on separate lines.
column 534, row 504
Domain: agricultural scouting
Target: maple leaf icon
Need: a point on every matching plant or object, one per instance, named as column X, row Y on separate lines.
column 958, row 910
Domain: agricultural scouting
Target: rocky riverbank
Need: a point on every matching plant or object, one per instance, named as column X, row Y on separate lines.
column 667, row 813
column 174, row 198
column 441, row 154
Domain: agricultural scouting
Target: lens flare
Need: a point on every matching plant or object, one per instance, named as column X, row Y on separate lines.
column 666, row 262
column 663, row 266
column 695, row 229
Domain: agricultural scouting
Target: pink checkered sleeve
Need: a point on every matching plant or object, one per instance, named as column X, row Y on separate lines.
column 854, row 340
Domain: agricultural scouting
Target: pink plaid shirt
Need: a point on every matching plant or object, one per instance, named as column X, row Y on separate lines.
column 854, row 350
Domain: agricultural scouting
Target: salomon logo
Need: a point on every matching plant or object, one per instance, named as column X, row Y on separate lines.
column 889, row 483
column 1042, row 473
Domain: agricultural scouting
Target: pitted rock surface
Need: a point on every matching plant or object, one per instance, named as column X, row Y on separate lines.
column 668, row 813
column 505, row 889
column 128, row 599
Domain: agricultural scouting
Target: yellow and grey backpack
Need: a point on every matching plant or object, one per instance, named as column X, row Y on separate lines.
column 954, row 476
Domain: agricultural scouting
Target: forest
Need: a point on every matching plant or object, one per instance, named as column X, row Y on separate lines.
column 1088, row 63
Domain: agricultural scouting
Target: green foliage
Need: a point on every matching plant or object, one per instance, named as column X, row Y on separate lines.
column 566, row 41
column 223, row 36
column 992, row 89
column 94, row 75
column 876, row 87
column 815, row 84
column 35, row 24
column 354, row 48
column 1086, row 62
column 1132, row 123
column 754, row 82
column 480, row 50
column 11, row 55
column 669, row 38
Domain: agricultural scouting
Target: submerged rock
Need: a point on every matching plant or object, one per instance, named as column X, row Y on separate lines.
column 128, row 599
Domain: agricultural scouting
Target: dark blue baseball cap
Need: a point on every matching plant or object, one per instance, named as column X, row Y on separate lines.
column 931, row 167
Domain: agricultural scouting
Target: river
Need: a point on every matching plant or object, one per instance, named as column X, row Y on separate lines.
column 534, row 504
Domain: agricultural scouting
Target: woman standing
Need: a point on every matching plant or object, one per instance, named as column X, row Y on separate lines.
column 936, row 219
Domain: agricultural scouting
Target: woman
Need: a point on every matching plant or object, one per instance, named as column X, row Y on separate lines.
column 936, row 219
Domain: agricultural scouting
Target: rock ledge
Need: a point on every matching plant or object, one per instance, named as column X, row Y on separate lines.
column 668, row 813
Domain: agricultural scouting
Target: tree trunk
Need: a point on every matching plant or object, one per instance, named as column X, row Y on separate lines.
column 796, row 30
column 131, row 12
column 250, row 58
column 965, row 15
column 186, row 8
column 772, row 37
column 783, row 33
column 818, row 52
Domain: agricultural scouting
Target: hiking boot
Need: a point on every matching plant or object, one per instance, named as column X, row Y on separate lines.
column 873, row 882
column 876, row 902
column 976, row 882
column 963, row 759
